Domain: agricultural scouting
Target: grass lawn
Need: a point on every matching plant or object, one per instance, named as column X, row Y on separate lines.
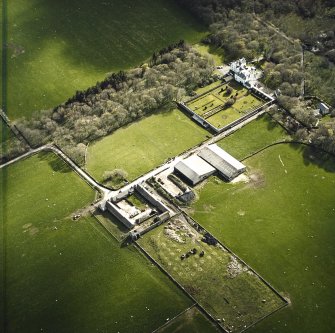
column 282, row 224
column 190, row 321
column 145, row 144
column 58, row 47
column 224, row 117
column 211, row 105
column 72, row 276
column 208, row 87
column 221, row 283
column 254, row 136
column 214, row 53
column 205, row 104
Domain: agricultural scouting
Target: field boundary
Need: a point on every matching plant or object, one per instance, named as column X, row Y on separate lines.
column 268, row 284
column 288, row 142
column 163, row 270
column 172, row 319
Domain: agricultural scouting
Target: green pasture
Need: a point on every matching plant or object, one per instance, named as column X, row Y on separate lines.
column 282, row 224
column 256, row 135
column 58, row 47
column 216, row 54
column 72, row 276
column 145, row 144
column 192, row 321
column 238, row 299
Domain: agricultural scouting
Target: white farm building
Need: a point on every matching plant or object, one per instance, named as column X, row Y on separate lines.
column 195, row 169
column 228, row 166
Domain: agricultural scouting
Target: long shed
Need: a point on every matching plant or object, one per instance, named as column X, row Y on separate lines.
column 228, row 166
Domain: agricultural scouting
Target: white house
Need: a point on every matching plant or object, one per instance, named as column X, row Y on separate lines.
column 245, row 74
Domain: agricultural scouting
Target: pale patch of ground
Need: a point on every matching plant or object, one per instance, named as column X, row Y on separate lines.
column 240, row 179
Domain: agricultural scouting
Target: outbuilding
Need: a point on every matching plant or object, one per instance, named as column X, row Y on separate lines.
column 194, row 169
column 228, row 166
column 324, row 109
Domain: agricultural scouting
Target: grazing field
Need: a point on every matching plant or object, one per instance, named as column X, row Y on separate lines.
column 145, row 144
column 282, row 224
column 58, row 47
column 190, row 321
column 254, row 136
column 219, row 281
column 72, row 276
column 214, row 107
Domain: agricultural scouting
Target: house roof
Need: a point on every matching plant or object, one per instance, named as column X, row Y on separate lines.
column 194, row 168
column 226, row 164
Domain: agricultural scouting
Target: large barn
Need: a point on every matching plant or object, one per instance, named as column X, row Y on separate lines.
column 227, row 165
column 194, row 169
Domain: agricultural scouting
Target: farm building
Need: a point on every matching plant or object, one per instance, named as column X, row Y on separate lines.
column 194, row 169
column 324, row 109
column 228, row 166
column 245, row 74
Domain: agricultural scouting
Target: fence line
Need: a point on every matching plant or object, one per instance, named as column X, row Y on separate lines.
column 235, row 255
column 162, row 269
column 172, row 319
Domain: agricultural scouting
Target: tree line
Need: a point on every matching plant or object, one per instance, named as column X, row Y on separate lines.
column 121, row 98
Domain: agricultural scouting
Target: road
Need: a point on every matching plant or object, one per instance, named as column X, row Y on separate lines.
column 104, row 191
column 108, row 194
column 172, row 162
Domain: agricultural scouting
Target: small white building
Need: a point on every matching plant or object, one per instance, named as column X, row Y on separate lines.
column 195, row 169
column 228, row 166
column 245, row 74
column 324, row 109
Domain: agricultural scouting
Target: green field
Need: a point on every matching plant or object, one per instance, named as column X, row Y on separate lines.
column 72, row 276
column 282, row 224
column 192, row 321
column 218, row 281
column 214, row 53
column 145, row 144
column 254, row 136
column 211, row 105
column 58, row 47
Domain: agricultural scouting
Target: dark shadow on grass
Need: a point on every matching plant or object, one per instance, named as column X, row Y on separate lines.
column 315, row 156
column 121, row 29
column 55, row 162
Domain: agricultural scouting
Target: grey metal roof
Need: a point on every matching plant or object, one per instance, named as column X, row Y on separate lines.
column 194, row 168
column 226, row 164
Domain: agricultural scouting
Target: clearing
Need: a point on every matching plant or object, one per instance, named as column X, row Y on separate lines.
column 145, row 144
column 72, row 276
column 256, row 135
column 58, row 47
column 219, row 281
column 282, row 224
